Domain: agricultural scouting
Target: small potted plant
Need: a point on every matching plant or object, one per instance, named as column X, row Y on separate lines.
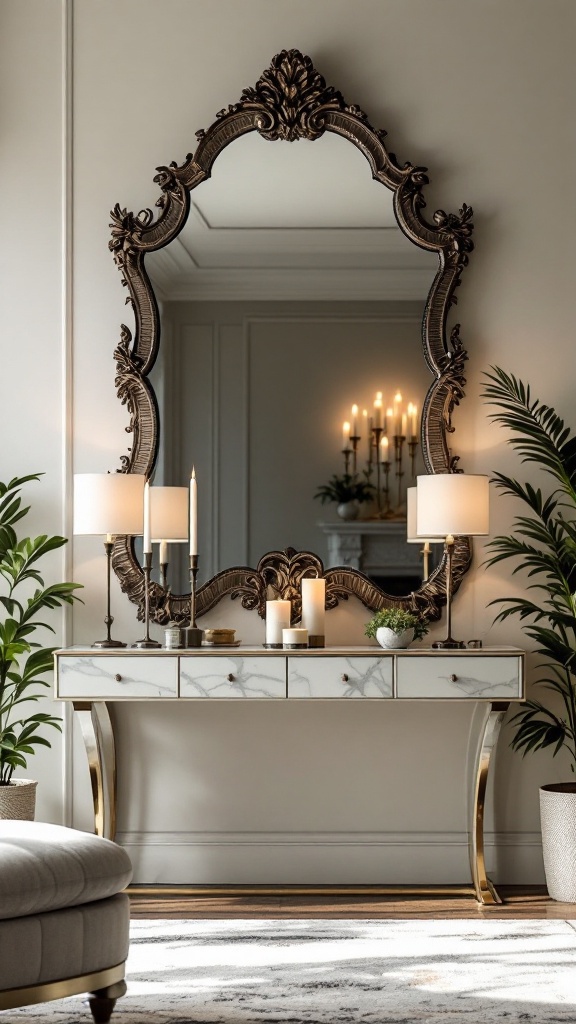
column 347, row 492
column 394, row 627
column 22, row 660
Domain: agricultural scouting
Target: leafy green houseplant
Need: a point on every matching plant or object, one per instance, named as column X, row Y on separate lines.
column 394, row 627
column 543, row 543
column 23, row 661
column 347, row 492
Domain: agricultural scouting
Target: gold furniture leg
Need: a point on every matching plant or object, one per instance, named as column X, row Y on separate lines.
column 484, row 890
column 98, row 735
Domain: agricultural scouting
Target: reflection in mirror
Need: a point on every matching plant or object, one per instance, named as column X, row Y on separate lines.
column 277, row 285
column 290, row 295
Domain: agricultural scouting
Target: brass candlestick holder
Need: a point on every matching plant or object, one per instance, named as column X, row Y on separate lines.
column 412, row 446
column 355, row 439
column 386, row 489
column 193, row 634
column 398, row 452
column 147, row 643
column 108, row 618
column 376, row 435
column 164, row 575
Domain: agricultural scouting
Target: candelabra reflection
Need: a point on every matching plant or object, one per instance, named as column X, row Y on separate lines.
column 391, row 439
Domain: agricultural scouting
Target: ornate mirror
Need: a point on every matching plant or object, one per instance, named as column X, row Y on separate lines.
column 276, row 237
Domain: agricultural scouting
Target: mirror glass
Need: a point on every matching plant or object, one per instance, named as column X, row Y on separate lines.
column 289, row 295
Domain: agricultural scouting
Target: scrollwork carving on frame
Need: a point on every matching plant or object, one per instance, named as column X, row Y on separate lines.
column 291, row 100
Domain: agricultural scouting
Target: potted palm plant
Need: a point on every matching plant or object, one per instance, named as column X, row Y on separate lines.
column 347, row 492
column 543, row 542
column 23, row 661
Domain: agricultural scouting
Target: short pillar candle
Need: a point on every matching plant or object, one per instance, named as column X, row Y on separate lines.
column 294, row 639
column 313, row 610
column 277, row 618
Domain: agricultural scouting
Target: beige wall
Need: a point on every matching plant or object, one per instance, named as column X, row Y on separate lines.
column 482, row 93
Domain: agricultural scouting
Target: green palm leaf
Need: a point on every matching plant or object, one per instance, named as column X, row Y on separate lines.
column 543, row 546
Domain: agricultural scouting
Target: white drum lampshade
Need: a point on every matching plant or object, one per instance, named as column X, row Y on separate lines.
column 110, row 504
column 452, row 505
column 412, row 537
column 169, row 515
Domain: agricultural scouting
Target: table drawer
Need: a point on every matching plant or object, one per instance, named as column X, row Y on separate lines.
column 433, row 675
column 340, row 677
column 117, row 678
column 233, row 677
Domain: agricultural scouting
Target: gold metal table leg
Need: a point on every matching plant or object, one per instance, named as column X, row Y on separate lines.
column 483, row 887
column 98, row 735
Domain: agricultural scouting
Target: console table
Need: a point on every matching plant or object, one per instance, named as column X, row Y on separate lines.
column 91, row 679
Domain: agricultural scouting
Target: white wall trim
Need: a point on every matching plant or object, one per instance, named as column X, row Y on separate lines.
column 215, row 370
column 327, row 858
column 67, row 116
column 325, row 839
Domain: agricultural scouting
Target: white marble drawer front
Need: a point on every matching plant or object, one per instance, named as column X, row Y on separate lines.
column 340, row 677
column 233, row 677
column 465, row 676
column 115, row 678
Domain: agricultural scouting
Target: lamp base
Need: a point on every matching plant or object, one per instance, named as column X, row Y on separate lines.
column 105, row 644
column 448, row 645
column 147, row 645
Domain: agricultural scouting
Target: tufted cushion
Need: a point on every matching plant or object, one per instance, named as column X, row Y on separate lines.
column 48, row 867
column 63, row 943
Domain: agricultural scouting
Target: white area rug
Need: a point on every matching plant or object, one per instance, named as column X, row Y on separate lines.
column 340, row 972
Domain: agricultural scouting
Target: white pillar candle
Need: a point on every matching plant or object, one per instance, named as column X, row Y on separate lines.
column 313, row 602
column 147, row 546
column 384, row 449
column 277, row 619
column 398, row 413
column 378, row 412
column 295, row 637
column 354, row 421
column 404, row 424
column 193, row 514
column 345, row 434
column 413, row 413
column 163, row 552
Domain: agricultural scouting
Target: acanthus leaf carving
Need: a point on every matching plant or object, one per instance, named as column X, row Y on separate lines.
column 292, row 91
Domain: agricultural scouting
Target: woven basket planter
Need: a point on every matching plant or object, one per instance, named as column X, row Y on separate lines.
column 558, row 820
column 18, row 800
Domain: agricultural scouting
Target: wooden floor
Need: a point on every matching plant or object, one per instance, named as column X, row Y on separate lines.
column 519, row 902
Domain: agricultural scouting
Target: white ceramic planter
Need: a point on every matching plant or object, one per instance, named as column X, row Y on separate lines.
column 18, row 800
column 348, row 510
column 558, row 821
column 390, row 640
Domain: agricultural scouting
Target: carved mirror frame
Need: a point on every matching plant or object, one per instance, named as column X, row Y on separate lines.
column 290, row 101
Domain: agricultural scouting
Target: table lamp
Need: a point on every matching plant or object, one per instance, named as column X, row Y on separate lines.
column 110, row 504
column 412, row 536
column 169, row 521
column 452, row 505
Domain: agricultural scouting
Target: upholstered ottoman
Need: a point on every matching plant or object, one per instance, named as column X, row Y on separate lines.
column 63, row 920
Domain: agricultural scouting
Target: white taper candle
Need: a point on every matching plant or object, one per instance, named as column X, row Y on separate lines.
column 147, row 546
column 193, row 514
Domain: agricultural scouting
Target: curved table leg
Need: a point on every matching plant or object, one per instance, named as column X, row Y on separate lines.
column 483, row 887
column 98, row 737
